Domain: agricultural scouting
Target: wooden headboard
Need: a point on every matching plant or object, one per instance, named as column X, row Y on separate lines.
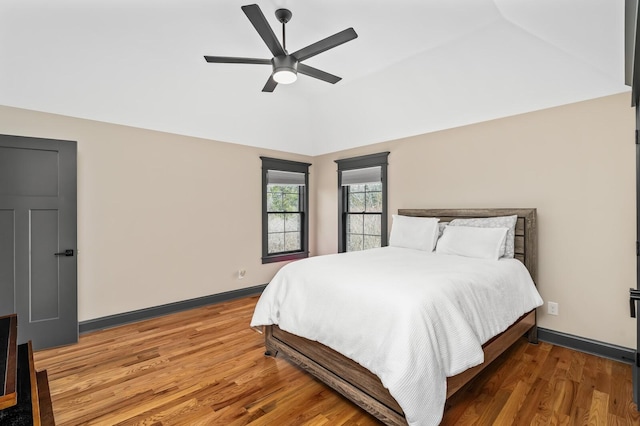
column 526, row 243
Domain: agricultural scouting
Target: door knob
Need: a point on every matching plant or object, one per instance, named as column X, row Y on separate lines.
column 68, row 252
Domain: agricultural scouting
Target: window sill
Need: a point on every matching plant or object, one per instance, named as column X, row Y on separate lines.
column 285, row 257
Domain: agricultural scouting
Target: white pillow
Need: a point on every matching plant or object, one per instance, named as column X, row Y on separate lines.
column 420, row 233
column 469, row 241
column 495, row 222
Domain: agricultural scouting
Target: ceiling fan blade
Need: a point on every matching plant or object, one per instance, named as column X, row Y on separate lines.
column 270, row 86
column 232, row 60
column 325, row 44
column 316, row 73
column 261, row 25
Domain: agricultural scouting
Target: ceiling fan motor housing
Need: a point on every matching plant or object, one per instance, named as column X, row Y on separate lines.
column 286, row 62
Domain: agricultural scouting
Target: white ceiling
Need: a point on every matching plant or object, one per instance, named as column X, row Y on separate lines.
column 417, row 66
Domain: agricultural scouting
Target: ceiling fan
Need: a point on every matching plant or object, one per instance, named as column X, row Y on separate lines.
column 286, row 65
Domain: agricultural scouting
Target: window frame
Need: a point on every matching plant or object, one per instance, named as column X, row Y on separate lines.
column 372, row 160
column 269, row 163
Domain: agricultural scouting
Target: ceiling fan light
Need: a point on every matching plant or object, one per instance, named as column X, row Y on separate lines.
column 285, row 69
column 285, row 76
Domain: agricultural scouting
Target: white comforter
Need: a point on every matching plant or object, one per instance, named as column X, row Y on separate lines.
column 411, row 317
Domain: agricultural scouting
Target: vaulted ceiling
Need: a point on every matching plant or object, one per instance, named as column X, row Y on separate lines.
column 417, row 66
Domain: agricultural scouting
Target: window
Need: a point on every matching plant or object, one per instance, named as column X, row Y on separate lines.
column 362, row 202
column 285, row 201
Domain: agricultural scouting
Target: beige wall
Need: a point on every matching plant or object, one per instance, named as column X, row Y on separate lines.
column 161, row 218
column 575, row 164
column 186, row 211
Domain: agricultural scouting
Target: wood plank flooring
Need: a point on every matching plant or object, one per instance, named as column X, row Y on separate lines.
column 206, row 367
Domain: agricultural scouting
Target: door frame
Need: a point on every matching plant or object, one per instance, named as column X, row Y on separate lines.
column 632, row 78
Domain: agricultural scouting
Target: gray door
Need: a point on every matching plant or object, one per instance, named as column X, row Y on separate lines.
column 38, row 270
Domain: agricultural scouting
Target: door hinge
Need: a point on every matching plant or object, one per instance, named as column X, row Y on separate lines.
column 636, row 137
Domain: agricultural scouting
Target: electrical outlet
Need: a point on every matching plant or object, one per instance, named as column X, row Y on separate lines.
column 552, row 308
column 241, row 274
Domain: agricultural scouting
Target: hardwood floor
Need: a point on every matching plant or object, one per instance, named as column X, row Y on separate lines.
column 206, row 367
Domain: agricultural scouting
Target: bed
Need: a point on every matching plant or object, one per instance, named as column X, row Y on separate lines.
column 365, row 388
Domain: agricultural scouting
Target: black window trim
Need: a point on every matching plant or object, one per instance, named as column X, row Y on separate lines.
column 269, row 163
column 361, row 162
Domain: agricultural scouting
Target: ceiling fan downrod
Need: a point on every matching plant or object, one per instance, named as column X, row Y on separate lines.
column 283, row 16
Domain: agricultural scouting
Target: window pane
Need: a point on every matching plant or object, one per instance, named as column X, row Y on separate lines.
column 372, row 224
column 276, row 243
column 371, row 241
column 291, row 241
column 290, row 202
column 276, row 222
column 291, row 189
column 284, row 232
column 292, row 222
column 374, row 187
column 282, row 188
column 283, row 198
column 354, row 223
column 354, row 242
column 274, row 202
column 363, row 231
column 374, row 201
column 356, row 188
column 356, row 201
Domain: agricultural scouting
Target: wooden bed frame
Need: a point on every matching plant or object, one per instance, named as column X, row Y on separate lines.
column 363, row 387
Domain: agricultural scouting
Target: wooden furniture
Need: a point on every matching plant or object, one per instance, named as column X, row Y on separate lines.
column 24, row 397
column 363, row 387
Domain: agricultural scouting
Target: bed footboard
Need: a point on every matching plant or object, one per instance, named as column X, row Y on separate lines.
column 363, row 387
column 347, row 377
